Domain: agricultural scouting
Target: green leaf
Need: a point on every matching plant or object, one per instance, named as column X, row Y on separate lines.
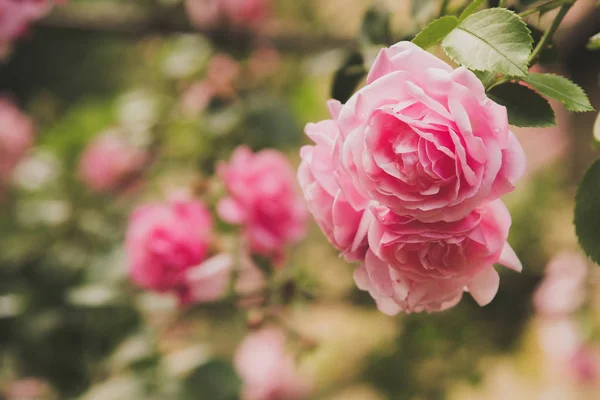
column 491, row 40
column 375, row 27
column 587, row 212
column 348, row 77
column 561, row 89
column 435, row 31
column 594, row 42
column 470, row 9
column 215, row 380
column 525, row 107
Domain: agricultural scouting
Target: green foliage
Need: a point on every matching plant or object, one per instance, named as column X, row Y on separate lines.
column 587, row 212
column 81, row 123
column 215, row 380
column 561, row 89
column 594, row 42
column 347, row 78
column 435, row 32
column 491, row 40
column 470, row 9
column 525, row 107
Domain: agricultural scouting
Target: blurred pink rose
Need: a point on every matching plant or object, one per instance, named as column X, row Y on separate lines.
column 15, row 17
column 207, row 14
column 344, row 225
column 414, row 266
column 209, row 281
column 204, row 14
column 563, row 289
column 222, row 71
column 197, row 97
column 264, row 61
column 16, row 136
column 263, row 199
column 246, row 13
column 27, row 389
column 584, row 365
column 268, row 372
column 424, row 139
column 164, row 240
column 109, row 161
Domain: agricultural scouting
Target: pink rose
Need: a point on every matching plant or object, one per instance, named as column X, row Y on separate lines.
column 563, row 289
column 263, row 199
column 584, row 365
column 222, row 71
column 344, row 225
column 268, row 372
column 204, row 14
column 210, row 280
column 264, row 61
column 164, row 240
column 424, row 139
column 414, row 266
column 16, row 136
column 197, row 97
column 15, row 17
column 246, row 13
column 207, row 14
column 110, row 161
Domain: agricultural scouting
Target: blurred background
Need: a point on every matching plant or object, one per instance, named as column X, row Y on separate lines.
column 180, row 90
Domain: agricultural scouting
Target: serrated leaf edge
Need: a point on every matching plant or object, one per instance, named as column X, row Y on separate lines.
column 453, row 57
column 588, row 108
column 449, row 17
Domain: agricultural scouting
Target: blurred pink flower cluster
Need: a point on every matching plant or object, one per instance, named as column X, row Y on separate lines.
column 16, row 16
column 110, row 162
column 222, row 72
column 406, row 178
column 562, row 293
column 16, row 136
column 241, row 14
column 267, row 370
column 169, row 244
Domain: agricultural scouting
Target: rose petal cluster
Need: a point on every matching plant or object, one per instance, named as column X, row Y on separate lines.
column 16, row 136
column 267, row 370
column 237, row 13
column 110, row 161
column 263, row 199
column 165, row 240
column 406, row 177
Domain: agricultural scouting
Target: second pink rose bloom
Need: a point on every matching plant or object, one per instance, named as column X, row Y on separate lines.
column 263, row 199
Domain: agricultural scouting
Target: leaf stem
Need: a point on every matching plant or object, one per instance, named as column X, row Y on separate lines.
column 444, row 7
column 547, row 37
column 546, row 6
